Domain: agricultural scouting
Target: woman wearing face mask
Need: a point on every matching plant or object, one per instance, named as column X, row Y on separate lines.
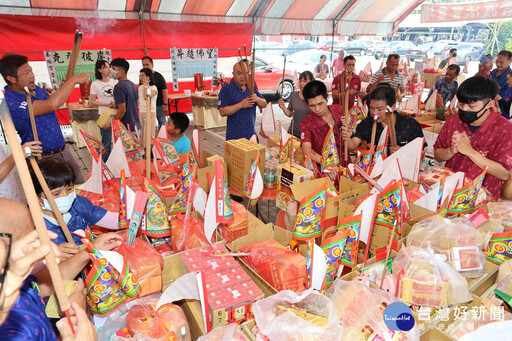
column 147, row 81
column 477, row 136
column 297, row 106
column 78, row 212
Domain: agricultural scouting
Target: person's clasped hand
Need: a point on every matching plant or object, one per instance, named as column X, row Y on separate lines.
column 35, row 148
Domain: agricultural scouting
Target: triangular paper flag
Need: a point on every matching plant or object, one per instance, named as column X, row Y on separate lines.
column 252, row 189
column 409, row 157
column 210, row 217
column 131, row 145
column 367, row 211
column 283, row 148
column 333, row 249
column 157, row 225
column 351, row 227
column 165, row 148
column 464, row 199
column 180, row 202
column 196, row 147
column 200, row 199
column 93, row 143
column 319, row 267
column 117, row 160
column 330, row 157
column 431, row 102
column 389, row 204
column 94, row 184
column 391, row 173
column 268, row 123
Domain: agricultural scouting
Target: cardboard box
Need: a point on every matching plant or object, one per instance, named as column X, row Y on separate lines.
column 434, row 334
column 430, row 78
column 208, row 163
column 239, row 155
column 286, row 177
column 349, row 188
column 273, row 141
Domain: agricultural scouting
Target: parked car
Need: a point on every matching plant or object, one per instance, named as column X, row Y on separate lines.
column 290, row 48
column 356, row 47
column 268, row 78
column 328, row 44
column 419, row 51
column 399, row 47
column 307, row 60
column 469, row 51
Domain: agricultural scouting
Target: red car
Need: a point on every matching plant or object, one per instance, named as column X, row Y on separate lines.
column 269, row 78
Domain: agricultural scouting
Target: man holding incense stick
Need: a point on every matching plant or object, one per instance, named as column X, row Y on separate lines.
column 18, row 75
column 338, row 83
column 407, row 129
column 239, row 104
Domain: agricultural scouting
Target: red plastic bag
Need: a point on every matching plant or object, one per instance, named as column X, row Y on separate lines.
column 187, row 234
column 145, row 262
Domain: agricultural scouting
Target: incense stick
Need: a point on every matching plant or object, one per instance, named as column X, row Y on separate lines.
column 282, row 82
column 148, row 134
column 374, row 131
column 70, row 72
column 51, row 200
column 35, row 208
column 347, row 118
column 31, row 113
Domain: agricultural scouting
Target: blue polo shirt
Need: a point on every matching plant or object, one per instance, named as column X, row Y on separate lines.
column 240, row 124
column 47, row 125
column 501, row 80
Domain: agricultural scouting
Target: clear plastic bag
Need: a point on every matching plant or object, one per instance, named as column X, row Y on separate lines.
column 425, row 279
column 360, row 310
column 504, row 280
column 457, row 239
column 231, row 332
column 502, row 212
column 490, row 227
column 286, row 316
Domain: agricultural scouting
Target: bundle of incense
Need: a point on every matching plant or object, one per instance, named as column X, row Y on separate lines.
column 227, row 254
column 249, row 78
column 70, row 72
column 347, row 115
column 374, row 131
column 123, row 212
column 390, row 120
column 138, row 211
column 35, row 208
column 31, row 113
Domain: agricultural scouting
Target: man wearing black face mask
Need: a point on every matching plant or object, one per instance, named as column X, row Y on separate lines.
column 477, row 136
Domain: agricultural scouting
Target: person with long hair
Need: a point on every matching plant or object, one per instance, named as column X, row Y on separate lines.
column 147, row 81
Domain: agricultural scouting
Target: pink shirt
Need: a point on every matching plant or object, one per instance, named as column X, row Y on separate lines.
column 355, row 84
column 491, row 139
column 8, row 187
column 338, row 64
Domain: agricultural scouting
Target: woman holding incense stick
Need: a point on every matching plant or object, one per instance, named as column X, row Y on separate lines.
column 297, row 106
column 322, row 69
column 102, row 94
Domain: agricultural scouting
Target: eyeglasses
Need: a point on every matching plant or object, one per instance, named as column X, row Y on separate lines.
column 6, row 239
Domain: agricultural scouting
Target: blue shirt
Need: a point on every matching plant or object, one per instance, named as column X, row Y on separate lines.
column 501, row 80
column 240, row 124
column 27, row 319
column 47, row 125
column 182, row 145
column 505, row 102
column 83, row 215
column 447, row 91
column 126, row 92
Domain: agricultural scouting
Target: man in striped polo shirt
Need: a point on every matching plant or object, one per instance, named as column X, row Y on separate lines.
column 390, row 75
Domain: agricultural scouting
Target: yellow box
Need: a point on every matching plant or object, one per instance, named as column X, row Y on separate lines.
column 239, row 155
column 286, row 177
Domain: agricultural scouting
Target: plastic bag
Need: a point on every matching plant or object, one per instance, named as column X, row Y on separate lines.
column 280, row 267
column 502, row 212
column 457, row 239
column 231, row 332
column 187, row 234
column 145, row 262
column 287, row 316
column 425, row 279
column 360, row 310
column 490, row 227
column 239, row 227
column 504, row 280
column 166, row 323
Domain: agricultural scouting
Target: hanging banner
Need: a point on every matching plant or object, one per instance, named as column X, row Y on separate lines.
column 466, row 12
column 185, row 63
column 57, row 63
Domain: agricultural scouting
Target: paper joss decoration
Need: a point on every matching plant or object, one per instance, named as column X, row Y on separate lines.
column 389, row 206
column 196, row 147
column 123, row 210
column 333, row 248
column 180, row 202
column 316, row 261
column 254, row 184
column 137, row 214
column 117, row 160
column 131, row 145
column 464, row 200
column 93, row 144
column 157, row 225
column 311, row 214
column 311, row 166
column 268, row 123
column 166, row 150
column 330, row 157
column 351, row 228
column 283, row 147
column 499, row 248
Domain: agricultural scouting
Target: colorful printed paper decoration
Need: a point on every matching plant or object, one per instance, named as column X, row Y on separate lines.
column 156, row 213
column 311, row 166
column 464, row 199
column 311, row 214
column 165, row 148
column 94, row 145
column 123, row 211
column 254, row 185
column 131, row 145
column 330, row 157
column 350, row 227
column 283, row 146
column 180, row 202
column 499, row 248
column 389, row 200
column 333, row 248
